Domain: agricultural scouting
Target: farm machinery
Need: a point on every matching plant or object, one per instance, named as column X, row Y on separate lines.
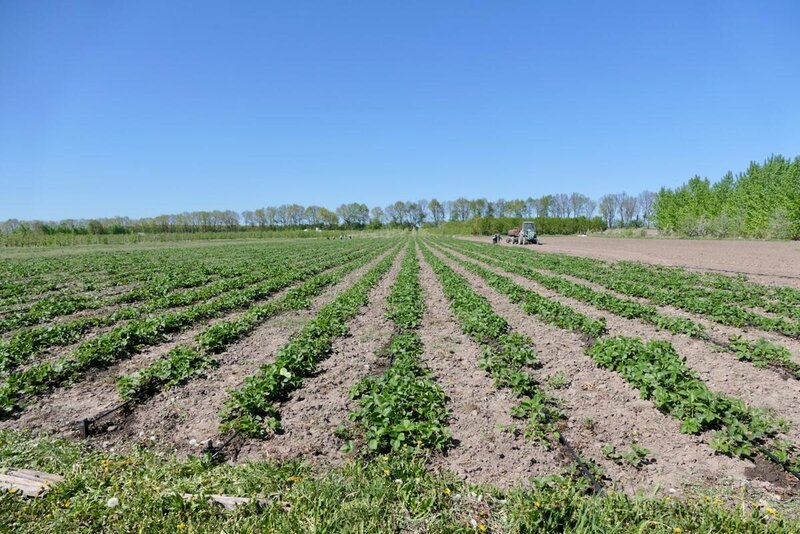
column 523, row 236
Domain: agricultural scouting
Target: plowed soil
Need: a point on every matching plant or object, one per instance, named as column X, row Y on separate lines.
column 602, row 409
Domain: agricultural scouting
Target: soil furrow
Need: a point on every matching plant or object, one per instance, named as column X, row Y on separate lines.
column 602, row 409
column 173, row 418
column 312, row 414
column 761, row 388
column 485, row 448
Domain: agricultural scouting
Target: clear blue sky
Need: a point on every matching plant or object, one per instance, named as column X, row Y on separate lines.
column 148, row 107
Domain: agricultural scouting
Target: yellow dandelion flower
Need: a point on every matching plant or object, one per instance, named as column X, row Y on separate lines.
column 771, row 511
column 181, row 526
column 677, row 530
column 67, row 504
column 481, row 527
column 446, row 491
column 537, row 504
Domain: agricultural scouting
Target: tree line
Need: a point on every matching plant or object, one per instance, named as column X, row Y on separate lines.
column 762, row 202
column 613, row 209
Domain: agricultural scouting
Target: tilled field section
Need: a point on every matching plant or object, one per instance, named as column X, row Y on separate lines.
column 498, row 364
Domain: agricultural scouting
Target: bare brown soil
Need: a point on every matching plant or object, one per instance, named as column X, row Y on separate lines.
column 761, row 388
column 310, row 417
column 715, row 330
column 183, row 418
column 485, row 449
column 603, row 409
column 771, row 262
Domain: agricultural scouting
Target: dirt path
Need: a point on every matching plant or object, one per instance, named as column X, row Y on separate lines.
column 603, row 409
column 312, row 414
column 484, row 451
column 770, row 262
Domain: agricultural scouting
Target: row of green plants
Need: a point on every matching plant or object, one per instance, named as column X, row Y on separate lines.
column 149, row 281
column 508, row 356
column 600, row 299
column 750, row 297
column 532, row 303
column 25, row 278
column 26, row 343
column 217, row 337
column 178, row 366
column 184, row 362
column 748, row 294
column 251, row 410
column 761, row 353
column 641, row 281
column 59, row 305
column 128, row 339
column 783, row 300
column 46, row 309
column 404, row 406
column 662, row 376
column 656, row 370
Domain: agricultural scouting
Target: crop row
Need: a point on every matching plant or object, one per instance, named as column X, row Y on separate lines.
column 156, row 288
column 656, row 370
column 775, row 299
column 761, row 353
column 24, row 344
column 25, row 280
column 549, row 311
column 506, row 355
column 600, row 299
column 662, row 376
column 156, row 283
column 184, row 362
column 128, row 339
column 54, row 306
column 251, row 409
column 404, row 405
column 638, row 281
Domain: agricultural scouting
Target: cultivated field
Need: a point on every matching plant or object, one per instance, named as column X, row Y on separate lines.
column 476, row 364
column 770, row 262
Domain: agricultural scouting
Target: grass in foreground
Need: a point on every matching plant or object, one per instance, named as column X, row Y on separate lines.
column 140, row 492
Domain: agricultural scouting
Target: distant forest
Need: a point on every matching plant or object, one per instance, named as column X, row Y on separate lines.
column 617, row 209
column 763, row 202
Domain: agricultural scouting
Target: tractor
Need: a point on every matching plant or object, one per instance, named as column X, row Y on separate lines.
column 524, row 236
